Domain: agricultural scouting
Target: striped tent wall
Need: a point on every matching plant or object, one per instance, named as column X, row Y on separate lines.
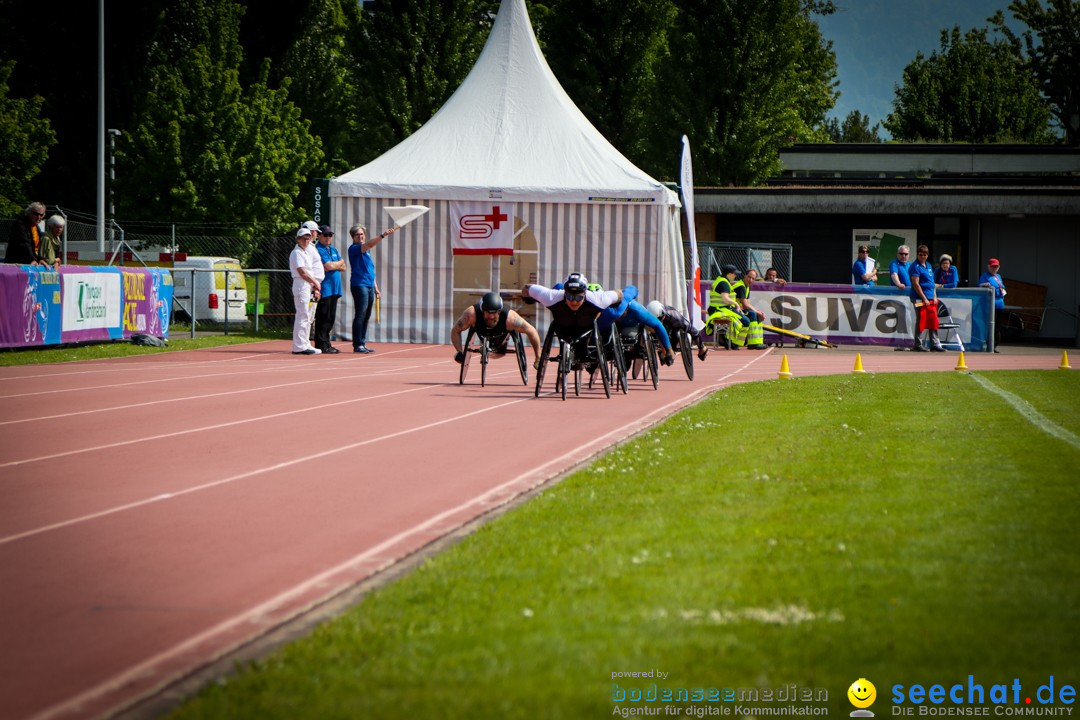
column 614, row 244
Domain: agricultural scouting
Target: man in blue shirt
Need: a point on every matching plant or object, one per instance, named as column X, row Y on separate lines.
column 898, row 275
column 992, row 279
column 326, row 310
column 863, row 272
column 924, row 297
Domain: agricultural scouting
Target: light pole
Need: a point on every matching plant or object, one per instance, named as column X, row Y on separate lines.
column 113, row 134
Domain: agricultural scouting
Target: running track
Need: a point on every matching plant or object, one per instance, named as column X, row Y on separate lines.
column 160, row 511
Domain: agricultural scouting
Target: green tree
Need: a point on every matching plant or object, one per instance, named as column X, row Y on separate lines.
column 973, row 90
column 25, row 139
column 324, row 68
column 1053, row 54
column 744, row 79
column 855, row 129
column 415, row 55
column 203, row 147
column 606, row 54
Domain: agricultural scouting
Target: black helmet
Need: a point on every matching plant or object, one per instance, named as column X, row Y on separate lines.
column 575, row 284
column 729, row 268
column 491, row 302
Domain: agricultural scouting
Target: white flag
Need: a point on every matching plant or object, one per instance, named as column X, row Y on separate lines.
column 693, row 283
column 482, row 228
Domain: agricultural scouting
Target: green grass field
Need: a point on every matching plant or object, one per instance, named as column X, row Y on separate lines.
column 902, row 528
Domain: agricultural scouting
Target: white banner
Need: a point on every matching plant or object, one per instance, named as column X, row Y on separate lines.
column 693, row 290
column 92, row 301
column 482, row 228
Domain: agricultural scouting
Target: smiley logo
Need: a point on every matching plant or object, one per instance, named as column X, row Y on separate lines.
column 862, row 695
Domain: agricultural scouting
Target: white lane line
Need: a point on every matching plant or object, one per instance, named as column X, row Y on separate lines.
column 260, row 471
column 261, row 388
column 218, row 426
column 283, row 365
column 1029, row 412
column 128, row 367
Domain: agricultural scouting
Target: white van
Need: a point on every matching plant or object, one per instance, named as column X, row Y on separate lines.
column 211, row 296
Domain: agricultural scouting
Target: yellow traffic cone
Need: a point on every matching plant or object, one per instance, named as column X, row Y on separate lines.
column 785, row 373
column 858, row 364
column 960, row 364
column 1064, row 361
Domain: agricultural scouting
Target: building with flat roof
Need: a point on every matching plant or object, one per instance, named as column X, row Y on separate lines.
column 1017, row 203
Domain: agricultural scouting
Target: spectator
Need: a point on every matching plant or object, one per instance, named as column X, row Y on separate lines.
column 302, row 266
column 946, row 275
column 362, row 284
column 24, row 239
column 772, row 275
column 898, row 268
column 725, row 309
column 863, row 271
column 992, row 279
column 51, row 241
column 924, row 297
column 330, row 292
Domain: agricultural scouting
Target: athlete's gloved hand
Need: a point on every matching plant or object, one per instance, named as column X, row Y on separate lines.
column 459, row 357
column 669, row 359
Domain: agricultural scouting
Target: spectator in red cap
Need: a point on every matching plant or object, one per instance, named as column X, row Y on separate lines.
column 992, row 280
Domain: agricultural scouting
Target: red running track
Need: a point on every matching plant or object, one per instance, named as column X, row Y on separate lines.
column 160, row 511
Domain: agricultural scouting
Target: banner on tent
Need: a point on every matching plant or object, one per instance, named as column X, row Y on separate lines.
column 482, row 228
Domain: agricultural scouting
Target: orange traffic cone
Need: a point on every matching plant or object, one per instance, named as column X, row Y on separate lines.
column 960, row 364
column 858, row 364
column 785, row 373
column 1064, row 361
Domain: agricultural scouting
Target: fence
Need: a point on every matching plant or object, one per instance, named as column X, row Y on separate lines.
column 760, row 256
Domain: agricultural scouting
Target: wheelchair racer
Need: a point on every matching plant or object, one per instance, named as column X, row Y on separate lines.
column 492, row 320
column 674, row 322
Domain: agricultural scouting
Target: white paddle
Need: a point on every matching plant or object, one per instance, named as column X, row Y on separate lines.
column 402, row 215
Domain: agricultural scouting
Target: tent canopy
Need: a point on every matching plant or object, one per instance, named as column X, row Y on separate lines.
column 509, row 131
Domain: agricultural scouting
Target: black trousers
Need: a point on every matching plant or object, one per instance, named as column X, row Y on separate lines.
column 325, row 315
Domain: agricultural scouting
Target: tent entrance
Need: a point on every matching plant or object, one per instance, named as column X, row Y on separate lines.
column 475, row 275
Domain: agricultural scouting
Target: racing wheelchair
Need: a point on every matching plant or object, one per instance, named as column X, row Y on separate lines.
column 577, row 350
column 484, row 348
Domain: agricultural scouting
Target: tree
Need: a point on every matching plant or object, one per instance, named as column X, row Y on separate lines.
column 745, row 78
column 855, row 129
column 25, row 139
column 415, row 55
column 203, row 147
column 1053, row 54
column 606, row 54
column 973, row 90
column 324, row 69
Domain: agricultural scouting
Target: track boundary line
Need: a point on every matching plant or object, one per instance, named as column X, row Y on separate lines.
column 1029, row 413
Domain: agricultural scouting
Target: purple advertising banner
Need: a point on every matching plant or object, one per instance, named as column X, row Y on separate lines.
column 867, row 315
column 43, row 306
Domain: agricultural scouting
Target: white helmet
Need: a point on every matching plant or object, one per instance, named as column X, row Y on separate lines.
column 656, row 308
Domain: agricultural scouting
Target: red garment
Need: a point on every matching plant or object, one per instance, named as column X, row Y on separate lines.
column 928, row 319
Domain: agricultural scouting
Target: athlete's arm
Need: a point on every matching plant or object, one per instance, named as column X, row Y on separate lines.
column 518, row 324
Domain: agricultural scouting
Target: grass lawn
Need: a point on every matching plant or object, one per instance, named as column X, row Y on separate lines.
column 902, row 528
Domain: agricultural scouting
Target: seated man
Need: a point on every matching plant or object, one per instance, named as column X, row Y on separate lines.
column 724, row 307
column 630, row 313
column 497, row 324
column 573, row 307
column 753, row 337
column 675, row 322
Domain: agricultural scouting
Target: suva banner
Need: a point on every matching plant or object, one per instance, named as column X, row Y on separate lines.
column 43, row 306
column 846, row 314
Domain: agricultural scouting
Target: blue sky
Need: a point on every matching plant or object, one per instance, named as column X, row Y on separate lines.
column 874, row 41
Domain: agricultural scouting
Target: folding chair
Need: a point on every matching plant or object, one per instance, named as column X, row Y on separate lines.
column 950, row 326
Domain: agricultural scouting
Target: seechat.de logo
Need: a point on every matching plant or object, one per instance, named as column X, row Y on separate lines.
column 862, row 695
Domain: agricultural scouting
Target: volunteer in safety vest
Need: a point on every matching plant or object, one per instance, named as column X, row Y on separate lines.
column 723, row 307
column 753, row 335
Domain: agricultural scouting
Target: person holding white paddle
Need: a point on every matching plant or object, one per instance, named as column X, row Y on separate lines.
column 362, row 283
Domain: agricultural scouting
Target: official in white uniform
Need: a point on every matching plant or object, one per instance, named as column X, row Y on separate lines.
column 303, row 262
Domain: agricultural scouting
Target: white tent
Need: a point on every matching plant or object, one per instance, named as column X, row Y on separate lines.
column 510, row 136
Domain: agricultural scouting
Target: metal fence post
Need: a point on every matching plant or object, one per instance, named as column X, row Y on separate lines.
column 226, row 300
column 191, row 299
column 257, row 273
